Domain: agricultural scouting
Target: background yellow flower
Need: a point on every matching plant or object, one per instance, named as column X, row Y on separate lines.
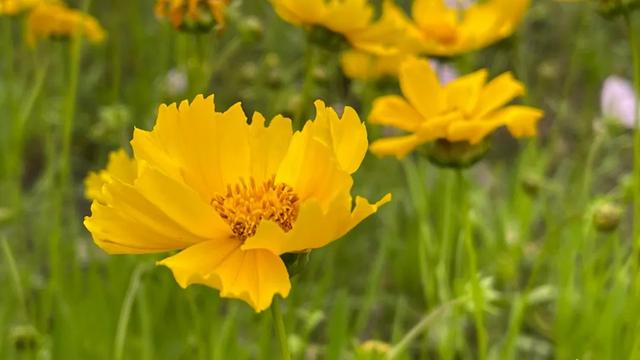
column 233, row 196
column 54, row 20
column 466, row 109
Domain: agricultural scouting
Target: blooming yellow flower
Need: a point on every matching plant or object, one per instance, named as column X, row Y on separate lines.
column 192, row 14
column 233, row 196
column 465, row 110
column 453, row 30
column 13, row 7
column 350, row 19
column 54, row 20
column 120, row 166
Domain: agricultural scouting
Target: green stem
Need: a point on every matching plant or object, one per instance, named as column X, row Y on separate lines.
column 634, row 43
column 307, row 86
column 15, row 275
column 281, row 332
column 476, row 289
column 446, row 245
column 422, row 325
column 125, row 310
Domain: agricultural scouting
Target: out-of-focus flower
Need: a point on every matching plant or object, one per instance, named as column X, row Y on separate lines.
column 119, row 167
column 55, row 20
column 359, row 64
column 450, row 27
column 463, row 111
column 13, row 7
column 372, row 350
column 618, row 100
column 193, row 15
column 176, row 82
column 332, row 21
column 233, row 196
column 606, row 217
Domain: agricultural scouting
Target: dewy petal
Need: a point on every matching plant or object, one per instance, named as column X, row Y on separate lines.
column 268, row 145
column 497, row 93
column 254, row 276
column 419, row 84
column 398, row 146
column 394, row 111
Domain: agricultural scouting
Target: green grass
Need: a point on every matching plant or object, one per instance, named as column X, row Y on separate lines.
column 521, row 218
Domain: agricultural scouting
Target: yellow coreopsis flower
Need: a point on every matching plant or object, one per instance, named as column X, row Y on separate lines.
column 55, row 20
column 233, row 196
column 466, row 109
column 13, row 7
column 451, row 28
column 349, row 19
column 193, row 15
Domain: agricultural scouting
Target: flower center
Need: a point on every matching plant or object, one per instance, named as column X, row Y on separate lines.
column 244, row 206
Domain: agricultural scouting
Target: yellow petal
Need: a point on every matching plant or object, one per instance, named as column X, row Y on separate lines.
column 311, row 168
column 268, row 145
column 521, row 121
column 180, row 203
column 471, row 131
column 349, row 137
column 420, row 86
column 394, row 111
column 463, row 93
column 398, row 146
column 497, row 93
column 347, row 16
column 119, row 166
column 362, row 210
column 254, row 276
column 300, row 12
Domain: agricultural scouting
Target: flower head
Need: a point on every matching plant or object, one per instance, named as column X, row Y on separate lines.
column 233, row 196
column 618, row 100
column 466, row 109
column 454, row 27
column 54, row 20
column 13, row 7
column 193, row 15
column 348, row 19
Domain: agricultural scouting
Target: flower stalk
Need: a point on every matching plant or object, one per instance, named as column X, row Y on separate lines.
column 281, row 332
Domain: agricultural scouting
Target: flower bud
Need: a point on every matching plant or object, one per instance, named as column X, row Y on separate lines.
column 24, row 337
column 372, row 350
column 606, row 217
column 531, row 185
column 458, row 154
column 251, row 28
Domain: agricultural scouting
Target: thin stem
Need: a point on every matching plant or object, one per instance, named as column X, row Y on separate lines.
column 307, row 86
column 422, row 325
column 15, row 275
column 634, row 43
column 125, row 310
column 281, row 332
column 444, row 266
column 476, row 289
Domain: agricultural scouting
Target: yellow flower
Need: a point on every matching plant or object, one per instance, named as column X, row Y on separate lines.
column 233, row 197
column 349, row 19
column 450, row 31
column 363, row 65
column 120, row 166
column 199, row 15
column 464, row 110
column 13, row 7
column 51, row 20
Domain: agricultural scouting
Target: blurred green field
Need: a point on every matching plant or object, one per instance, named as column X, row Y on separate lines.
column 559, row 288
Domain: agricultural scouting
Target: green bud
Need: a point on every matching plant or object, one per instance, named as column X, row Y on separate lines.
column 458, row 154
column 531, row 185
column 24, row 337
column 606, row 217
column 372, row 350
column 251, row 28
